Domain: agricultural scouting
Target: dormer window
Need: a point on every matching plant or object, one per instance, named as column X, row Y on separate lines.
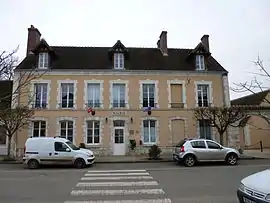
column 119, row 61
column 200, row 65
column 43, row 60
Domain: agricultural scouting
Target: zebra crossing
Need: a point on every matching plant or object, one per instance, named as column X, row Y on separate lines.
column 118, row 186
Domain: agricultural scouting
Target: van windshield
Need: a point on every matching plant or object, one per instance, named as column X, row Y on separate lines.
column 72, row 146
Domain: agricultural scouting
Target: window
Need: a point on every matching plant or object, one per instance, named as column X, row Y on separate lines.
column 93, row 132
column 205, row 129
column 39, row 129
column 119, row 61
column 148, row 95
column 200, row 65
column 203, row 95
column 43, row 60
column 66, row 130
column 212, row 145
column 118, row 95
column 2, row 136
column 60, row 147
column 149, row 131
column 198, row 144
column 67, row 95
column 93, row 95
column 41, row 91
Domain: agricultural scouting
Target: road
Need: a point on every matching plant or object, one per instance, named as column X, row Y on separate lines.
column 161, row 182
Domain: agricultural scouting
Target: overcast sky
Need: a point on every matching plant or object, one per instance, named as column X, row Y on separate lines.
column 239, row 29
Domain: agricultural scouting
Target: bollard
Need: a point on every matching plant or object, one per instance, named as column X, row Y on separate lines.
column 261, row 146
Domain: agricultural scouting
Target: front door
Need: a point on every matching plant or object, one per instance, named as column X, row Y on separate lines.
column 119, row 147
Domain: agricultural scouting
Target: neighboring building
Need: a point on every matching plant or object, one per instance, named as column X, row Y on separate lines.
column 257, row 126
column 118, row 83
column 5, row 102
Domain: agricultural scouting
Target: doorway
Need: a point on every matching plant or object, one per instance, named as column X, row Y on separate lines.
column 119, row 146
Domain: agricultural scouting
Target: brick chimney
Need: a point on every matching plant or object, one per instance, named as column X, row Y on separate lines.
column 33, row 39
column 205, row 41
column 162, row 43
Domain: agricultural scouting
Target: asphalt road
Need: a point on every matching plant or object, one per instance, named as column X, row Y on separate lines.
column 160, row 182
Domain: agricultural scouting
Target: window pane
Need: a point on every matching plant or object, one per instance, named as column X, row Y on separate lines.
column 146, row 135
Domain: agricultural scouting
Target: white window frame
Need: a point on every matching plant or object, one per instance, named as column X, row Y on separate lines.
column 101, row 84
column 210, row 92
column 156, row 131
column 184, row 94
column 93, row 129
column 39, row 127
column 155, row 82
column 43, row 60
column 200, row 62
column 66, row 129
column 59, row 95
column 41, row 99
column 66, row 118
column 119, row 60
column 124, row 82
column 32, row 96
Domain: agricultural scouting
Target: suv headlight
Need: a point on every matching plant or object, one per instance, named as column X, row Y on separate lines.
column 242, row 187
column 267, row 197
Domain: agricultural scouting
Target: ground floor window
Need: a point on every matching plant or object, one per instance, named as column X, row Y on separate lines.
column 149, row 131
column 205, row 129
column 39, row 129
column 3, row 136
column 93, row 132
column 66, row 130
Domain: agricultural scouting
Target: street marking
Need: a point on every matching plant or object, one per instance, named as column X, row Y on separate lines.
column 111, row 171
column 116, row 174
column 114, row 184
column 125, row 201
column 118, row 178
column 117, row 192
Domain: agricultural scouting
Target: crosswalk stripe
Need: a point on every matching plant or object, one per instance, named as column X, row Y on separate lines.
column 117, row 174
column 115, row 184
column 112, row 171
column 117, row 192
column 124, row 201
column 119, row 178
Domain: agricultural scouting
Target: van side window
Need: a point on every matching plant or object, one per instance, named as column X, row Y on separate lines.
column 60, row 147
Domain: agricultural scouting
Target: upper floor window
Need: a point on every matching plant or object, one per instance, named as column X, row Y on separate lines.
column 200, row 65
column 67, row 95
column 119, row 61
column 66, row 130
column 41, row 93
column 39, row 129
column 93, row 95
column 43, row 60
column 118, row 95
column 148, row 91
column 203, row 95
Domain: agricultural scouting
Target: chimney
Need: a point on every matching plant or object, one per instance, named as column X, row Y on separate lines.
column 33, row 39
column 162, row 43
column 205, row 41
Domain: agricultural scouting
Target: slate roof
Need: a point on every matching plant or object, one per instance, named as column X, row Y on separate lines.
column 5, row 93
column 252, row 99
column 138, row 59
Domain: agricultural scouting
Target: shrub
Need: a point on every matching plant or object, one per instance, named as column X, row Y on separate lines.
column 154, row 152
column 82, row 145
column 132, row 144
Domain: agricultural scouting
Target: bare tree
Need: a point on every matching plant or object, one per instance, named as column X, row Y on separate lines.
column 255, row 86
column 14, row 119
column 8, row 62
column 220, row 117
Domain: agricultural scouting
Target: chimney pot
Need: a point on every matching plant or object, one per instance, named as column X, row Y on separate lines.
column 205, row 41
column 33, row 39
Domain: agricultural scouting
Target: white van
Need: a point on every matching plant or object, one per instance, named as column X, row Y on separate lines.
column 55, row 150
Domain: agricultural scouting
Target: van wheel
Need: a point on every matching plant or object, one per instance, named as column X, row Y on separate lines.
column 232, row 159
column 189, row 160
column 33, row 164
column 79, row 163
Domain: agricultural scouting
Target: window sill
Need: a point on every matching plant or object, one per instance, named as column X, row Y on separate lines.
column 93, row 145
column 149, row 144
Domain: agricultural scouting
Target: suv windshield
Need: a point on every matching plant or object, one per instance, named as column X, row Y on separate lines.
column 72, row 146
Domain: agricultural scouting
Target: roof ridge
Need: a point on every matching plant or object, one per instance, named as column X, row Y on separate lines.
column 251, row 95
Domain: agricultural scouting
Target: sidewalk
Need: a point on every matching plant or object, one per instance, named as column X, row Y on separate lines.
column 257, row 153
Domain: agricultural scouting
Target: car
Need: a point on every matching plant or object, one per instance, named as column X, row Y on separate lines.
column 55, row 150
column 193, row 150
column 255, row 188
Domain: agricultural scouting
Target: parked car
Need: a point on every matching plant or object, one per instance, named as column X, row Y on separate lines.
column 191, row 151
column 55, row 150
column 255, row 188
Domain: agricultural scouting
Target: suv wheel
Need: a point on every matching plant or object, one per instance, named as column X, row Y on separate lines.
column 189, row 160
column 232, row 159
column 79, row 163
column 33, row 164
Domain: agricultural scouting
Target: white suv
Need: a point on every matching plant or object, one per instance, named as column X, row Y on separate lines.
column 203, row 150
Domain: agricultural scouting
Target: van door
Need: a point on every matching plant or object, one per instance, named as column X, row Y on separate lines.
column 61, row 155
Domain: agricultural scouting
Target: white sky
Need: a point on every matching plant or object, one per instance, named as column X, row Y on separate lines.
column 239, row 30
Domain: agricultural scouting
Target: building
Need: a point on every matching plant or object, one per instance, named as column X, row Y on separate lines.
column 5, row 102
column 106, row 96
column 257, row 126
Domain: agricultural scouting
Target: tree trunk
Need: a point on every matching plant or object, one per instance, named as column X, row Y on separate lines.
column 9, row 146
column 221, row 138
